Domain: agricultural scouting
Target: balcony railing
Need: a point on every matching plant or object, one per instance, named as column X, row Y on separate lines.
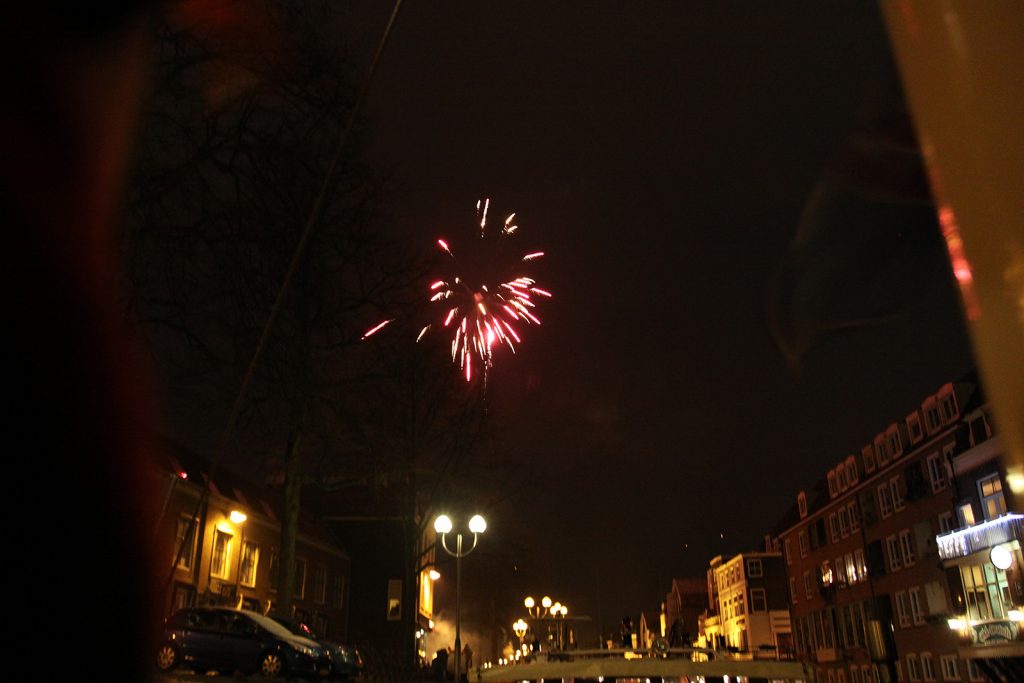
column 964, row 542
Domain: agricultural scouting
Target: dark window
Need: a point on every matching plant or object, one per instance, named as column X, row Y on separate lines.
column 917, row 483
column 876, row 558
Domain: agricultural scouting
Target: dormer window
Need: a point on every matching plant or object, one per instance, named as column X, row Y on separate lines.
column 947, row 407
column 881, row 450
column 867, row 455
column 801, row 504
column 914, row 427
column 841, row 478
column 833, row 485
column 892, row 437
column 851, row 470
column 932, row 422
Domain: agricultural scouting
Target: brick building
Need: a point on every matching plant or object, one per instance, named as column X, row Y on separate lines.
column 868, row 594
column 228, row 559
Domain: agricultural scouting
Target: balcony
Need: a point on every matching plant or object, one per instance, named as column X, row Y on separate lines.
column 964, row 542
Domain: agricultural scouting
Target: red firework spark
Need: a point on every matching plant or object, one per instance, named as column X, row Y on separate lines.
column 489, row 312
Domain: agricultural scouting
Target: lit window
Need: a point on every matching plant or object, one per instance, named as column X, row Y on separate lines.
column 862, row 567
column 992, row 502
column 186, row 533
column 966, row 513
column 221, row 554
column 827, row 576
column 851, row 569
column 986, row 590
column 250, row 560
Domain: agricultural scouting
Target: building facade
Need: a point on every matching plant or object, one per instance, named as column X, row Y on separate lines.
column 683, row 607
column 868, row 594
column 982, row 558
column 748, row 610
column 224, row 551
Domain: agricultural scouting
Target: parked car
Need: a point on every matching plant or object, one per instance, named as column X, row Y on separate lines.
column 228, row 640
column 346, row 662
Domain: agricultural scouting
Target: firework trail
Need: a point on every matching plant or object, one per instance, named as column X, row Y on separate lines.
column 483, row 303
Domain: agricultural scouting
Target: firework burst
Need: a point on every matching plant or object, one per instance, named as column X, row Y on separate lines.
column 485, row 300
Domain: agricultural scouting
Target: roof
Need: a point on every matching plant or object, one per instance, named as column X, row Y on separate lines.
column 254, row 497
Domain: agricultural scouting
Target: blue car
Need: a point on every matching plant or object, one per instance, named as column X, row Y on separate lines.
column 228, row 640
column 346, row 661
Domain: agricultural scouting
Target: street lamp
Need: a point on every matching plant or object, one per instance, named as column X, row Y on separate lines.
column 520, row 630
column 443, row 525
column 547, row 610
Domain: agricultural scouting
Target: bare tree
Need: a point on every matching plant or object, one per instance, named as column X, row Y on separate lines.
column 239, row 134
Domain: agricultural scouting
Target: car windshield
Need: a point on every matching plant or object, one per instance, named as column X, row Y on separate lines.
column 271, row 625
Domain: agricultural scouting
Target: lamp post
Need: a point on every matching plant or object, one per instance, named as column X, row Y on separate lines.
column 238, row 518
column 519, row 628
column 547, row 610
column 443, row 526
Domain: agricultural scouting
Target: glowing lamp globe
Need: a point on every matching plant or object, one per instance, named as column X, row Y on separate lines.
column 1001, row 557
column 443, row 524
column 477, row 524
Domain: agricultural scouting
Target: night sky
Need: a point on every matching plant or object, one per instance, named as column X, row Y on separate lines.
column 663, row 155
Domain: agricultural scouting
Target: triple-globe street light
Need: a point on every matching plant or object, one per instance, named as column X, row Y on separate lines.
column 547, row 610
column 443, row 525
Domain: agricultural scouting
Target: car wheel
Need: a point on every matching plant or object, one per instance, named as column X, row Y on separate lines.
column 272, row 664
column 166, row 657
